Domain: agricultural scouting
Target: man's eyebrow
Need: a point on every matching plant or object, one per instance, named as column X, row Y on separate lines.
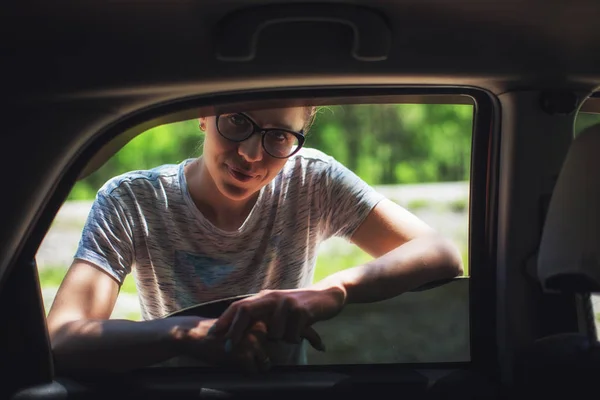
column 278, row 125
column 285, row 126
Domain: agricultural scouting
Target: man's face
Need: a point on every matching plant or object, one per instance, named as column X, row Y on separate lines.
column 241, row 169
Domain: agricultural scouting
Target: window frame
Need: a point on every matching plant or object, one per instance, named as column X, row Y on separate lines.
column 482, row 206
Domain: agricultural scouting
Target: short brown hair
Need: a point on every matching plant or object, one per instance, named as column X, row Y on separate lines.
column 311, row 114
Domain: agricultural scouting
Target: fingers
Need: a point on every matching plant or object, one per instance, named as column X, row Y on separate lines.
column 239, row 325
column 231, row 314
column 240, row 315
column 254, row 361
column 313, row 338
column 296, row 324
column 246, row 361
column 277, row 323
column 261, row 359
column 224, row 321
column 251, row 353
column 286, row 317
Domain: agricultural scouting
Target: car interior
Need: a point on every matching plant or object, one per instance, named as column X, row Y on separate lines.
column 83, row 79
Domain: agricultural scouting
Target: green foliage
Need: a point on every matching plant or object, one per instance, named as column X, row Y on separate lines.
column 395, row 144
column 459, row 205
column 52, row 276
column 418, row 204
column 585, row 120
column 128, row 285
column 329, row 262
column 382, row 143
column 164, row 144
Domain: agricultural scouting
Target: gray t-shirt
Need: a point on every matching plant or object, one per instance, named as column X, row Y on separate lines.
column 146, row 222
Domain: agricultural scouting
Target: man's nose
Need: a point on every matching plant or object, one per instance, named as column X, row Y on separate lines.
column 251, row 148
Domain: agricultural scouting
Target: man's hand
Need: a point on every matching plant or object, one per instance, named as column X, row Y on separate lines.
column 287, row 315
column 250, row 354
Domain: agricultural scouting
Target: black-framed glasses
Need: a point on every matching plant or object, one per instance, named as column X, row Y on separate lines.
column 277, row 142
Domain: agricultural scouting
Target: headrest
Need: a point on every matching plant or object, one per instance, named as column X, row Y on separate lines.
column 569, row 256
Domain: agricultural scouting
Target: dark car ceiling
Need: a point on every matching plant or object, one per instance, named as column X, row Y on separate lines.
column 164, row 47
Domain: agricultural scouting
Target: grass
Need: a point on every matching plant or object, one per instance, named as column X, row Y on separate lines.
column 53, row 276
column 459, row 205
column 456, row 206
column 133, row 316
column 327, row 264
column 330, row 262
column 465, row 257
column 418, row 204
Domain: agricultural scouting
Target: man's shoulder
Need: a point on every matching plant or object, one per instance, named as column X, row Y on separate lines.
column 311, row 154
column 310, row 161
column 142, row 179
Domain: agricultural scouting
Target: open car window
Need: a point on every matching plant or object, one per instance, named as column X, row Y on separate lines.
column 417, row 155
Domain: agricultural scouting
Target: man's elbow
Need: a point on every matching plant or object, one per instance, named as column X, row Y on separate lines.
column 64, row 334
column 59, row 336
column 450, row 258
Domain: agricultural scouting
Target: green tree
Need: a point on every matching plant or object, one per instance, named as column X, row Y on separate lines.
column 382, row 143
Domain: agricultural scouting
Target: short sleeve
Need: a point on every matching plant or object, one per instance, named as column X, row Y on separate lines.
column 346, row 202
column 107, row 239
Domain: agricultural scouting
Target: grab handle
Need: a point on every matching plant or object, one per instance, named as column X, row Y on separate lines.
column 238, row 33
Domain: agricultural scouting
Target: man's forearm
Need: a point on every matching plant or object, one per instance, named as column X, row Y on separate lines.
column 118, row 345
column 407, row 267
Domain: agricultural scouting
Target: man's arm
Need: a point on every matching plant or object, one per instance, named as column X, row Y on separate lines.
column 408, row 253
column 83, row 337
